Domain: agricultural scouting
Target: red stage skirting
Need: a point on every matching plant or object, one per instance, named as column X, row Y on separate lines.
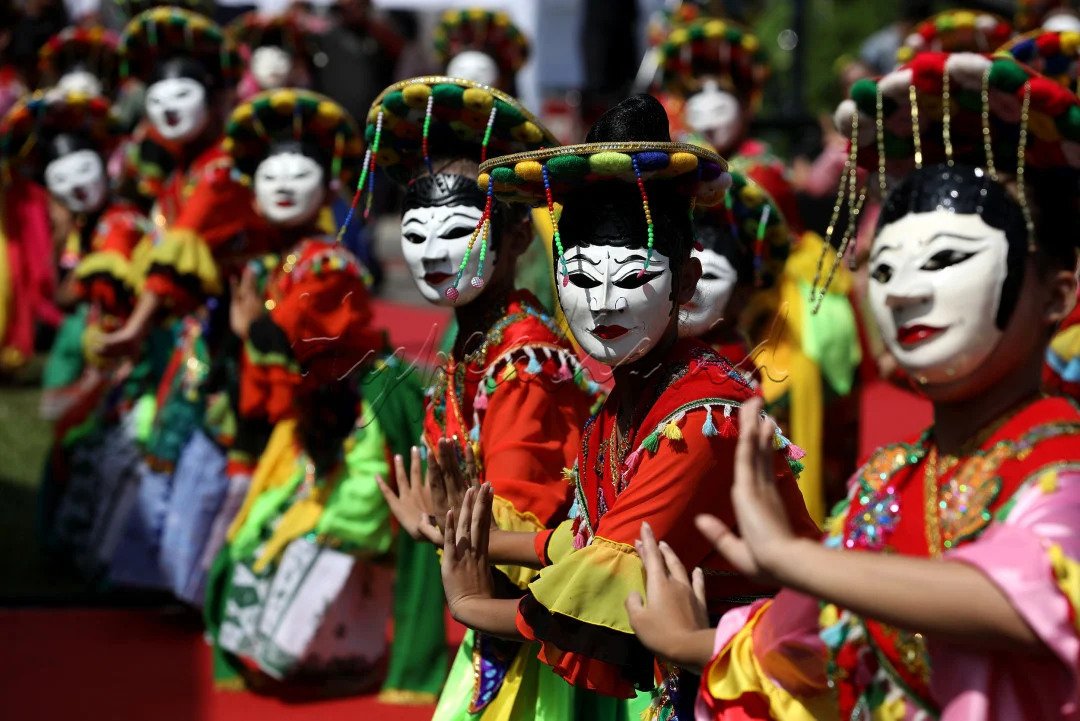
column 139, row 665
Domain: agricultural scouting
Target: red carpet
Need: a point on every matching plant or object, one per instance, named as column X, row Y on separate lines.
column 138, row 665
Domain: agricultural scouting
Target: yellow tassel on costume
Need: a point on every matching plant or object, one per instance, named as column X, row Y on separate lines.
column 828, row 616
column 672, row 431
column 510, row 373
column 1048, row 481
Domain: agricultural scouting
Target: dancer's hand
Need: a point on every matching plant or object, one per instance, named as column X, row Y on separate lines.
column 245, row 305
column 447, row 479
column 465, row 572
column 767, row 539
column 410, row 503
column 674, row 608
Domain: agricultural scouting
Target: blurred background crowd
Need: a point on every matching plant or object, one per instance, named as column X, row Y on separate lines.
column 577, row 58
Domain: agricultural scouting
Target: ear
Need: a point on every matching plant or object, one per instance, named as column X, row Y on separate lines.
column 1061, row 296
column 689, row 275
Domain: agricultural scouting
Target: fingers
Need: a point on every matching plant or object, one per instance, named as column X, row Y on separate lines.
column 650, row 553
column 400, row 474
column 416, row 469
column 698, row 584
column 471, row 475
column 745, row 456
column 451, row 468
column 727, row 543
column 449, row 537
column 388, row 493
column 464, row 526
column 482, row 522
column 675, row 568
column 428, row 530
column 634, row 605
column 478, row 521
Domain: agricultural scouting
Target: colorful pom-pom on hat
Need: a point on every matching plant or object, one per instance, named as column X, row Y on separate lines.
column 415, row 120
column 717, row 50
column 956, row 31
column 1054, row 54
column 663, row 21
column 48, row 113
column 161, row 33
column 696, row 172
column 291, row 114
column 93, row 48
column 992, row 113
column 487, row 31
column 131, row 8
column 755, row 222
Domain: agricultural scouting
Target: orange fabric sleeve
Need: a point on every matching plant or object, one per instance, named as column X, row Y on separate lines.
column 530, row 433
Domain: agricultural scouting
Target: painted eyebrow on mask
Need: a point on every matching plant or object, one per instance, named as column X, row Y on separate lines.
column 583, row 258
column 936, row 236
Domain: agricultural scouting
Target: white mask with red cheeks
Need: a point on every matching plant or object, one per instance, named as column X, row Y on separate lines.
column 935, row 290
column 715, row 114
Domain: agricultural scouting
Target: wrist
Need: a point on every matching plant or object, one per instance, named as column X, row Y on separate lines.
column 786, row 560
column 689, row 649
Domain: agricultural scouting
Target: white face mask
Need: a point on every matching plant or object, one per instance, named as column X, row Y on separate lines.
column 177, row 108
column 434, row 240
column 616, row 316
column 1064, row 21
column 270, row 66
column 474, row 65
column 711, row 296
column 715, row 114
column 78, row 181
column 289, row 189
column 935, row 290
column 79, row 81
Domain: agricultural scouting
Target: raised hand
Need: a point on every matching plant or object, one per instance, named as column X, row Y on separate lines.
column 447, row 478
column 674, row 607
column 465, row 572
column 410, row 503
column 759, row 510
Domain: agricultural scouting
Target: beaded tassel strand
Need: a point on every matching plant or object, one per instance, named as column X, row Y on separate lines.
column 759, row 242
column 487, row 133
column 427, row 129
column 556, row 238
column 648, row 215
column 482, row 228
column 368, row 169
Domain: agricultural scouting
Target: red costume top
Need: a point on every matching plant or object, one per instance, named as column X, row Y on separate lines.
column 683, row 452
column 521, row 399
column 210, row 223
column 1003, row 508
column 106, row 277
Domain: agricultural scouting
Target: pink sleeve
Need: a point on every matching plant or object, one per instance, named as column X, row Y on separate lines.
column 786, row 640
column 1029, row 556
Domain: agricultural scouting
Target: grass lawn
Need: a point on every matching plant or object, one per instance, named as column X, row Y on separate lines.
column 24, row 443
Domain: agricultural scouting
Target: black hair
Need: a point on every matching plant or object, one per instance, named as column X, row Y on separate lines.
column 966, row 189
column 181, row 66
column 611, row 212
column 302, row 147
column 326, row 417
column 58, row 145
column 719, row 236
column 447, row 187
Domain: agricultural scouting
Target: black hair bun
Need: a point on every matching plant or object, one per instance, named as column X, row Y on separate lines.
column 639, row 118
